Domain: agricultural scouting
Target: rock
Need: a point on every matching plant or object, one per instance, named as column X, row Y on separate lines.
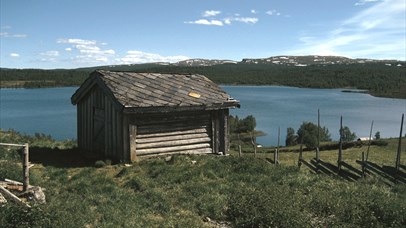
column 35, row 194
column 168, row 159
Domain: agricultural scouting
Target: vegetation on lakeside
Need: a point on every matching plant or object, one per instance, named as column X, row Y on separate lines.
column 198, row 191
column 377, row 78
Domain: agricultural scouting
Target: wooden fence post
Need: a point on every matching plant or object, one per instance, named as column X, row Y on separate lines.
column 399, row 146
column 276, row 154
column 254, row 144
column 239, row 145
column 299, row 163
column 340, row 148
column 318, row 136
column 369, row 142
column 363, row 164
column 26, row 168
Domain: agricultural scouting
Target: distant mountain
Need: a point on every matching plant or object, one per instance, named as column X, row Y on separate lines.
column 298, row 61
column 316, row 60
column 203, row 62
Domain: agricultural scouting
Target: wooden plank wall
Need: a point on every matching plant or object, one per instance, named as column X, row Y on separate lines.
column 113, row 125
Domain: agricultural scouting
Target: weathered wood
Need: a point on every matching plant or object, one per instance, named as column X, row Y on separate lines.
column 369, row 141
column 26, row 169
column 168, row 127
column 215, row 131
column 13, row 182
column 318, row 136
column 181, row 136
column 226, row 131
column 363, row 164
column 11, row 144
column 397, row 164
column 133, row 144
column 173, row 143
column 276, row 153
column 13, row 197
column 194, row 151
column 299, row 163
column 170, row 118
column 158, row 105
column 340, row 148
column 171, row 133
column 126, row 139
column 173, row 149
column 239, row 145
column 254, row 144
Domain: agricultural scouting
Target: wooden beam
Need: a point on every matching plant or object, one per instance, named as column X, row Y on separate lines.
column 133, row 143
column 173, row 149
column 12, row 196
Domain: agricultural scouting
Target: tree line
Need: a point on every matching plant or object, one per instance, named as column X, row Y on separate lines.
column 377, row 78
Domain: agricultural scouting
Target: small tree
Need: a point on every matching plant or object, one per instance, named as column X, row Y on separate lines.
column 307, row 133
column 347, row 135
column 290, row 137
column 378, row 135
column 247, row 124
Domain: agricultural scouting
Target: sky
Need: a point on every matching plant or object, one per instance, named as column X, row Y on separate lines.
column 53, row 34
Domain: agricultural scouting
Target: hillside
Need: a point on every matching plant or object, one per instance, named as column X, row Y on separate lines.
column 386, row 78
column 204, row 191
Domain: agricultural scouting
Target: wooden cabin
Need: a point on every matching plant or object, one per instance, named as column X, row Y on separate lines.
column 126, row 116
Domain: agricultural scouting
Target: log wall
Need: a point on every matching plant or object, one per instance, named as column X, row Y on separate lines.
column 106, row 130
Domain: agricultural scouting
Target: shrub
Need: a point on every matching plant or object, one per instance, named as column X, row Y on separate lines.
column 307, row 133
column 99, row 164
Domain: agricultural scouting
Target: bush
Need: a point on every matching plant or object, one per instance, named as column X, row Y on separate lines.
column 307, row 134
column 99, row 164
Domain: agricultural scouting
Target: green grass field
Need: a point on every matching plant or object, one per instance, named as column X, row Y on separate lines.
column 205, row 191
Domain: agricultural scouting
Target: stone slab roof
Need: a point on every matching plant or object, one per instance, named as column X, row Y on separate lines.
column 144, row 92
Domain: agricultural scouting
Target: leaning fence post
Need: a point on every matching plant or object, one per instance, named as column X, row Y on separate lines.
column 26, row 172
column 340, row 148
column 399, row 146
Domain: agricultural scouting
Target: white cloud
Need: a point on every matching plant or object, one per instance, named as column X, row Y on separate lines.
column 50, row 53
column 8, row 35
column 15, row 55
column 247, row 20
column 273, row 13
column 254, row 11
column 211, row 13
column 376, row 31
column 363, row 2
column 135, row 56
column 76, row 41
column 89, row 51
column 206, row 22
column 6, row 27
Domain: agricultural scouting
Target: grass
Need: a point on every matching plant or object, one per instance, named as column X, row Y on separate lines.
column 185, row 191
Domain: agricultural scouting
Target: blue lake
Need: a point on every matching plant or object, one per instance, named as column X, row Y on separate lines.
column 49, row 110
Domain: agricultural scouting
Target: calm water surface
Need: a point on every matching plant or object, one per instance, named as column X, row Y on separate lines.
column 275, row 106
column 49, row 111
